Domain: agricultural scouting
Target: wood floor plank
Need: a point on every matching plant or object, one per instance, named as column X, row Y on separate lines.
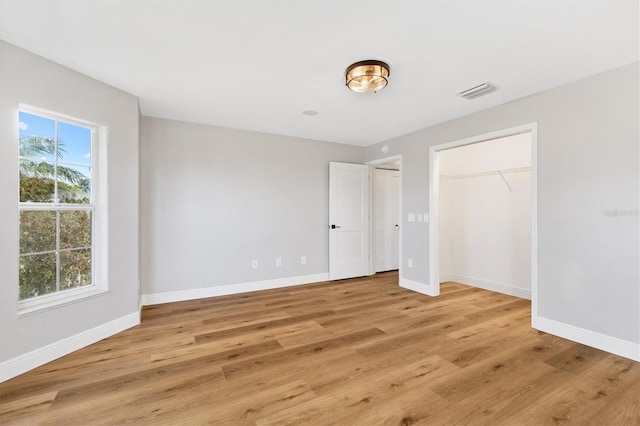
column 243, row 318
column 308, row 351
column 520, row 305
column 354, row 400
column 261, row 326
column 508, row 398
column 14, row 410
column 302, row 334
column 577, row 358
column 350, row 352
column 578, row 401
column 440, row 322
column 245, row 410
column 439, row 307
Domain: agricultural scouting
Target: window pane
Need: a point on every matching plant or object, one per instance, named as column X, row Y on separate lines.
column 75, row 268
column 37, row 275
column 37, row 181
column 37, row 231
column 74, row 184
column 74, row 143
column 37, row 137
column 75, row 229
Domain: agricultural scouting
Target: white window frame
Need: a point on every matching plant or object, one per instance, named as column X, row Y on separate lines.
column 97, row 206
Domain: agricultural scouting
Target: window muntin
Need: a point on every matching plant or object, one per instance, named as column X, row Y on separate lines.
column 57, row 213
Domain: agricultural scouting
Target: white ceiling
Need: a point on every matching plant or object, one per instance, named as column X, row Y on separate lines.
column 257, row 65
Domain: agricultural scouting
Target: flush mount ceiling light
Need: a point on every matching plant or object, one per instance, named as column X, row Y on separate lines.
column 367, row 76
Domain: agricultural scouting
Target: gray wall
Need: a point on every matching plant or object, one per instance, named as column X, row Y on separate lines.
column 29, row 79
column 588, row 157
column 213, row 199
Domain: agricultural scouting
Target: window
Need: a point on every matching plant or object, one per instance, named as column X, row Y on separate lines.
column 57, row 210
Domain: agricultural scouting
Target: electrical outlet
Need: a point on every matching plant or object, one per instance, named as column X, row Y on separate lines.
column 410, row 263
column 278, row 262
column 254, row 264
column 303, row 260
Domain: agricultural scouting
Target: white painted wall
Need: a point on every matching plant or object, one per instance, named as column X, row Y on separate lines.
column 485, row 228
column 588, row 163
column 29, row 79
column 214, row 199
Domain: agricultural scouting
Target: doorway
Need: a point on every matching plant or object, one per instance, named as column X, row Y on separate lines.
column 386, row 223
column 352, row 218
column 386, row 217
column 497, row 176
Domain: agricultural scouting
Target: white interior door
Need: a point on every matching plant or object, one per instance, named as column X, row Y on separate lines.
column 348, row 220
column 386, row 214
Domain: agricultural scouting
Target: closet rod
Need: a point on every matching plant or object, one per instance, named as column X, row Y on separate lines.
column 489, row 173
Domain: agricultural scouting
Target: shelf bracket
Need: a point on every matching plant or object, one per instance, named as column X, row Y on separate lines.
column 505, row 181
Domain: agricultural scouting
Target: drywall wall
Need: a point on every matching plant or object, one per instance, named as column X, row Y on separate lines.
column 485, row 224
column 215, row 199
column 28, row 79
column 588, row 160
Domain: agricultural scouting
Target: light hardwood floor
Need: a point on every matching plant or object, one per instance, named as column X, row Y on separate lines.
column 353, row 352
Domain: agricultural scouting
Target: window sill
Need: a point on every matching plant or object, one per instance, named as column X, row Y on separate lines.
column 51, row 301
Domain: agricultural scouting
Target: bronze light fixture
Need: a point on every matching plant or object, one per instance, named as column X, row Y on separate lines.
column 367, row 76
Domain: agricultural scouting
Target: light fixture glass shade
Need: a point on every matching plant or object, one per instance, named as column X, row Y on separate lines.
column 367, row 76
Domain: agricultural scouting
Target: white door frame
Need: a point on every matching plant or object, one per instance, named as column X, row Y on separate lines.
column 372, row 164
column 434, row 185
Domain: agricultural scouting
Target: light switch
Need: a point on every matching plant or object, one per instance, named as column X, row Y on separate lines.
column 419, row 217
column 426, row 217
column 412, row 217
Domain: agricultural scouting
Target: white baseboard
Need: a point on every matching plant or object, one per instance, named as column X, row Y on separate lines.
column 23, row 363
column 223, row 290
column 447, row 277
column 487, row 285
column 418, row 287
column 596, row 340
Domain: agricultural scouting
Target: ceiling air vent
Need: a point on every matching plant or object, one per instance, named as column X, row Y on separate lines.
column 476, row 92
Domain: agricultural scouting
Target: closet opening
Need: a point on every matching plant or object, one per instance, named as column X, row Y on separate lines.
column 483, row 213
